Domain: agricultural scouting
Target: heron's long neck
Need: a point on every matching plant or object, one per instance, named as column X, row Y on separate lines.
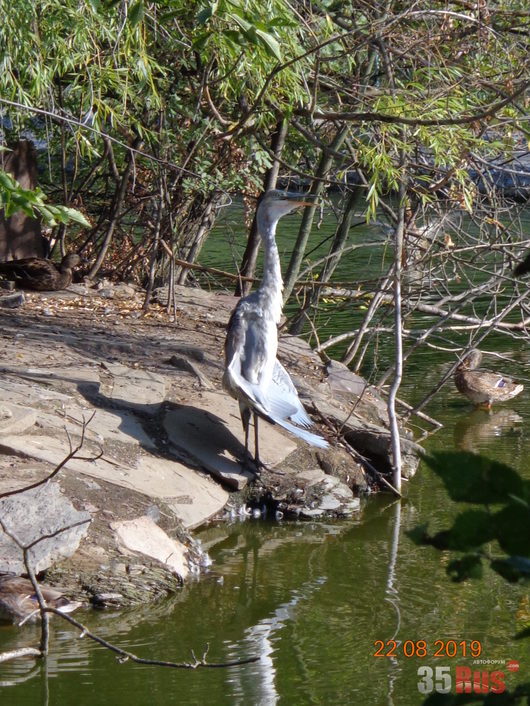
column 272, row 284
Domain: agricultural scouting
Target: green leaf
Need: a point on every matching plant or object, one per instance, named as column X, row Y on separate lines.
column 7, row 181
column 19, row 203
column 75, row 215
column 270, row 43
column 204, row 15
column 96, row 5
column 238, row 18
column 48, row 215
column 136, row 13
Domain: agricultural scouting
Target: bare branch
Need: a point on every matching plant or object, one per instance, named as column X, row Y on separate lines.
column 125, row 656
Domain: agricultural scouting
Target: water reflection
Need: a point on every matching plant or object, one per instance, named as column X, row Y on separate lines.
column 256, row 683
column 310, row 599
column 476, row 431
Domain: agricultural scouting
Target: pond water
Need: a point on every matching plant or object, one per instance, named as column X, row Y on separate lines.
column 311, row 600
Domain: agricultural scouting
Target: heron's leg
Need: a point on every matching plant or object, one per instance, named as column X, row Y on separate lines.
column 245, row 420
column 256, row 441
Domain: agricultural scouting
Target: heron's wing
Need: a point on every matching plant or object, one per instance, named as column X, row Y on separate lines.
column 246, row 352
column 308, row 436
column 257, row 381
column 253, row 340
column 283, row 397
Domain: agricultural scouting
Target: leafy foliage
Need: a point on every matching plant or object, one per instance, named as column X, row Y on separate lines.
column 197, row 88
column 14, row 197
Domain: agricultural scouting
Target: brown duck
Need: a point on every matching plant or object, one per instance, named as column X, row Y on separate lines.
column 18, row 600
column 483, row 387
column 39, row 274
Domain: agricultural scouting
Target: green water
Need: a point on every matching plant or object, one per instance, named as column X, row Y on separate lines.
column 310, row 600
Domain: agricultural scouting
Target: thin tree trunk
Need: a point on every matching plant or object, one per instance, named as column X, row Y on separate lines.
column 156, row 242
column 203, row 230
column 324, row 166
column 374, row 305
column 116, row 209
column 335, row 254
column 250, row 256
column 398, row 365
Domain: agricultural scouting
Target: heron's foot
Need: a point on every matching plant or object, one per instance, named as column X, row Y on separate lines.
column 257, row 466
column 268, row 469
column 250, row 464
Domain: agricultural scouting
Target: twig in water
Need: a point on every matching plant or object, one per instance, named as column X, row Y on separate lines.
column 125, row 656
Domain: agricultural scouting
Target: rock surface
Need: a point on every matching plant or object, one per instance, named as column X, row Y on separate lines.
column 160, row 443
column 37, row 517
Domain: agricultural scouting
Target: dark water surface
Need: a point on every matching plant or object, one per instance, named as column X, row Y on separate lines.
column 311, row 600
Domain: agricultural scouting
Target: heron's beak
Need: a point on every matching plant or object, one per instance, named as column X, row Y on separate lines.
column 303, row 200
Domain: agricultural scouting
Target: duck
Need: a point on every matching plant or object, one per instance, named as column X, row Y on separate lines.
column 39, row 274
column 483, row 387
column 18, row 601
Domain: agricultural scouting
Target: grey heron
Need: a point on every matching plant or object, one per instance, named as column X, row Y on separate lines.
column 253, row 375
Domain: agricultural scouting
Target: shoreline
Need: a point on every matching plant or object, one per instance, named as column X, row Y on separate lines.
column 160, row 454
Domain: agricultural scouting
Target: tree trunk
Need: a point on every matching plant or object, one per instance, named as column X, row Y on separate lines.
column 119, row 196
column 398, row 357
column 334, row 257
column 323, row 168
column 250, row 256
column 207, row 221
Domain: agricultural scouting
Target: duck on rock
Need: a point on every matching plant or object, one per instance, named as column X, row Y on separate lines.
column 40, row 274
column 483, row 387
column 18, row 600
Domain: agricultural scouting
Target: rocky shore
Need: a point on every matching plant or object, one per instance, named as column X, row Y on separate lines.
column 158, row 441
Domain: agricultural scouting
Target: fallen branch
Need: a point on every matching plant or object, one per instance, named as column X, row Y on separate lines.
column 125, row 656
column 21, row 652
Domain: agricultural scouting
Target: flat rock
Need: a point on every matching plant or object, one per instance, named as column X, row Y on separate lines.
column 211, row 433
column 27, row 392
column 139, row 388
column 192, row 497
column 102, row 425
column 15, row 419
column 11, row 301
column 342, row 380
column 32, row 514
column 144, row 536
column 182, row 363
column 293, row 349
column 215, row 307
column 68, row 373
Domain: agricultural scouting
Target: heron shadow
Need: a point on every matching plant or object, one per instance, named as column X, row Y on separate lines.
column 176, row 432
